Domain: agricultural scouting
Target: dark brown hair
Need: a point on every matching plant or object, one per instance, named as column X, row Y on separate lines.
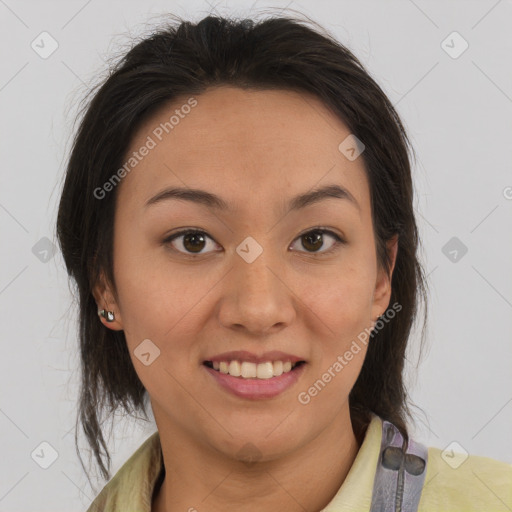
column 184, row 58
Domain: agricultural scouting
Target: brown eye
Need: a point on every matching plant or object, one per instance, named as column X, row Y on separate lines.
column 192, row 241
column 313, row 240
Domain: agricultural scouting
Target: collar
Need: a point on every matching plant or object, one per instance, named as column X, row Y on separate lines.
column 133, row 486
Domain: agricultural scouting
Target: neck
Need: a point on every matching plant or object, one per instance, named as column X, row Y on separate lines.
column 199, row 478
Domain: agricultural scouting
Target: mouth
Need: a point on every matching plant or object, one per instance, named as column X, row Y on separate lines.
column 249, row 370
column 252, row 381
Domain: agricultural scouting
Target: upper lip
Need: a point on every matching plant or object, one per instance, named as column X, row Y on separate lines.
column 244, row 355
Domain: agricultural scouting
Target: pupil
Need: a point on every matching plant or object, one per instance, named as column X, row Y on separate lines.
column 313, row 240
column 197, row 239
column 194, row 242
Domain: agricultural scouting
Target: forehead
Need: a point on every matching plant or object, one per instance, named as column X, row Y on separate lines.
column 244, row 145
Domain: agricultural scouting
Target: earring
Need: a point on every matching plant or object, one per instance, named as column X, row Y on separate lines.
column 374, row 322
column 107, row 315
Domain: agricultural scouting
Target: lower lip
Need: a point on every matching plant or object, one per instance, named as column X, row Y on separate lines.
column 257, row 389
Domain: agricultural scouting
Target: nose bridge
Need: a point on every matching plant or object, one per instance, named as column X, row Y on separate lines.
column 252, row 267
column 257, row 298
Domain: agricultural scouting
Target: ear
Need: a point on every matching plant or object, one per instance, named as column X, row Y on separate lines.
column 105, row 299
column 382, row 293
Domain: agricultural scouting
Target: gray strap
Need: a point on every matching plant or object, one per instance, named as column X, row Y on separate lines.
column 399, row 478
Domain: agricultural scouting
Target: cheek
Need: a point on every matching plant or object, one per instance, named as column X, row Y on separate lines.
column 162, row 301
column 341, row 328
column 342, row 299
column 151, row 305
column 148, row 290
column 341, row 303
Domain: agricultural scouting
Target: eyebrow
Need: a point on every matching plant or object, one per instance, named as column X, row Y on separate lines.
column 213, row 201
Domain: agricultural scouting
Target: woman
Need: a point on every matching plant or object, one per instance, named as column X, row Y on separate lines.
column 238, row 217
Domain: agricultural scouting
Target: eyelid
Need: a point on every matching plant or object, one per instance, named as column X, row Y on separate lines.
column 183, row 232
column 339, row 239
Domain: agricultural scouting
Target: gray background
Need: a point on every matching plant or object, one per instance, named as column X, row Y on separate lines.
column 458, row 114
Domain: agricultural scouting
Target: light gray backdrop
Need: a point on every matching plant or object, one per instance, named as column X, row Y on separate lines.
column 456, row 103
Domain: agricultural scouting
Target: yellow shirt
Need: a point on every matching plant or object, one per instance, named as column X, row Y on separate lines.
column 479, row 484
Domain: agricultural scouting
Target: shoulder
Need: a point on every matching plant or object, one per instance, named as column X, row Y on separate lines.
column 132, row 486
column 462, row 482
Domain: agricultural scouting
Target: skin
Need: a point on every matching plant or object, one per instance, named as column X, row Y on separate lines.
column 255, row 149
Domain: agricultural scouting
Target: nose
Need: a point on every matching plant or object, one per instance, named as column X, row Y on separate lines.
column 258, row 296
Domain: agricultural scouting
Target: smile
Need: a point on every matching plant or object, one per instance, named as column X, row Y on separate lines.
column 255, row 381
column 250, row 370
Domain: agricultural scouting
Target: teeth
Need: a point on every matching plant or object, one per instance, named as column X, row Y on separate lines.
column 278, row 368
column 265, row 370
column 247, row 370
column 234, row 368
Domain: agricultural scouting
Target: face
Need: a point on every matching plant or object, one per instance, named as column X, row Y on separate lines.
column 260, row 276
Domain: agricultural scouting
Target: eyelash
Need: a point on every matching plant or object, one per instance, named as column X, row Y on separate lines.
column 324, row 231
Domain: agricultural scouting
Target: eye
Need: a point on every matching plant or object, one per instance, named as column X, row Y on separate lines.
column 313, row 240
column 192, row 240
